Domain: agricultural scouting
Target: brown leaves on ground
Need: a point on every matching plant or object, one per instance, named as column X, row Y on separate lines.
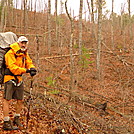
column 57, row 110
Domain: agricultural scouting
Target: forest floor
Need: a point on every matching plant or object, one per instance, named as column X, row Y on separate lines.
column 93, row 106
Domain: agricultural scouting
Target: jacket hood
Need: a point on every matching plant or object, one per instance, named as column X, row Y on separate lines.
column 15, row 46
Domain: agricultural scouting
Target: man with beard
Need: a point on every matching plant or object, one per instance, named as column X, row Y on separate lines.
column 17, row 62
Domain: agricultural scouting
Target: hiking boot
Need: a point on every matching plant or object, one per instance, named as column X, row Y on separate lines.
column 8, row 126
column 17, row 121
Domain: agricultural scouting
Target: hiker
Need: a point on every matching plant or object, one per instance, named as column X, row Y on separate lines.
column 17, row 63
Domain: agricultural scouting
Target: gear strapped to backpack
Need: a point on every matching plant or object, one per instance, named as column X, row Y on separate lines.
column 6, row 39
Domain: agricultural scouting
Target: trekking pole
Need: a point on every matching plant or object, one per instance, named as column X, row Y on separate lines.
column 31, row 86
column 29, row 102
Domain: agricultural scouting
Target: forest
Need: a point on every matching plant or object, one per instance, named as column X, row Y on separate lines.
column 85, row 67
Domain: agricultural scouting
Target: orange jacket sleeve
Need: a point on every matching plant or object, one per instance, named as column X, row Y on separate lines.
column 12, row 64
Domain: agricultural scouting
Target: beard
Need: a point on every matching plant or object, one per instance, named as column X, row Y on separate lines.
column 23, row 49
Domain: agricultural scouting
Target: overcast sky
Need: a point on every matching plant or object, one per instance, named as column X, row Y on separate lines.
column 74, row 5
column 117, row 5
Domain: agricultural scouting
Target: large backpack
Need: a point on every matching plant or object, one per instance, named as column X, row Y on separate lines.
column 6, row 39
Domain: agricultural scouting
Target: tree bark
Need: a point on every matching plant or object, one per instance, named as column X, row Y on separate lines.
column 49, row 26
column 80, row 27
column 92, row 13
column 92, row 18
column 56, row 24
column 2, row 15
column 130, row 23
column 122, row 12
column 99, row 38
column 112, row 27
column 24, row 16
column 71, row 52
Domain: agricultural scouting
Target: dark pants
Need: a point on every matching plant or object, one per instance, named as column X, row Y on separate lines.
column 13, row 92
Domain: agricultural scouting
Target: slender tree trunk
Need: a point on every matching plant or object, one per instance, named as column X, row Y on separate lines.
column 37, row 52
column 56, row 2
column 9, row 12
column 15, row 14
column 130, row 23
column 123, row 32
column 112, row 28
column 99, row 38
column 56, row 24
column 80, row 27
column 5, row 15
column 122, row 12
column 23, row 21
column 24, row 16
column 49, row 26
column 2, row 15
column 35, row 5
column 92, row 13
column 89, row 9
column 71, row 53
column 60, row 39
column 92, row 19
column 31, row 5
column 61, row 8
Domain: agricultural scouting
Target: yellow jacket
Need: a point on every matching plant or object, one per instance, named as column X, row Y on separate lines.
column 17, row 62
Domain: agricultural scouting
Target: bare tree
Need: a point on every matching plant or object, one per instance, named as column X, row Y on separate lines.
column 31, row 5
column 99, row 37
column 3, row 3
column 122, row 12
column 89, row 9
column 49, row 26
column 80, row 27
column 92, row 18
column 24, row 16
column 61, row 8
column 130, row 25
column 71, row 52
column 123, row 32
column 56, row 25
column 112, row 27
column 92, row 13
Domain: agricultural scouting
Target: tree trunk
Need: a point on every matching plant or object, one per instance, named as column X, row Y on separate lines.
column 92, row 18
column 89, row 10
column 130, row 26
column 112, row 28
column 49, row 26
column 24, row 16
column 122, row 12
column 123, row 32
column 56, row 24
column 92, row 13
column 71, row 53
column 80, row 27
column 99, row 38
column 2, row 15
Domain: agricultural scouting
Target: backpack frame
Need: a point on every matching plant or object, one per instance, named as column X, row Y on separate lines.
column 6, row 39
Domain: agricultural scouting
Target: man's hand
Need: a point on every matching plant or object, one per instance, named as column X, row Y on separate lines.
column 32, row 71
